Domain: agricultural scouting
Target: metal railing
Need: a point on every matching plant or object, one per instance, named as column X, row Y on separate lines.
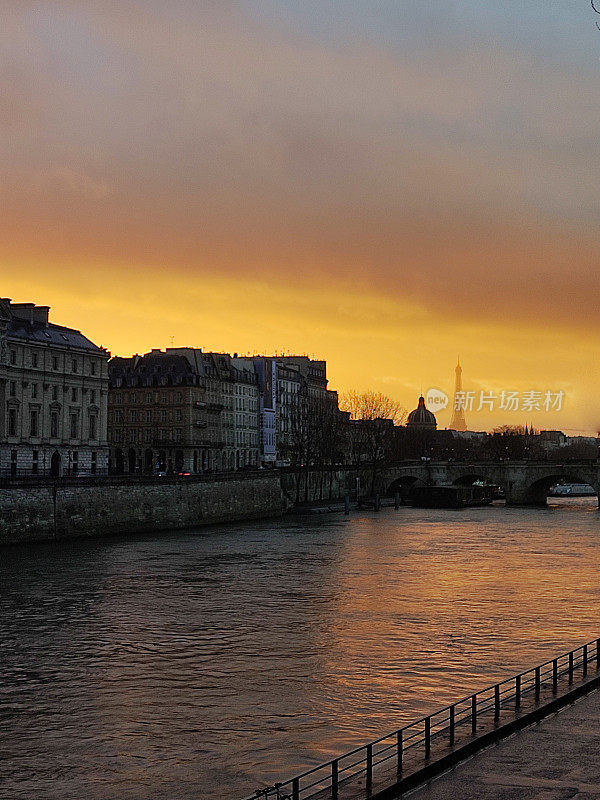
column 440, row 727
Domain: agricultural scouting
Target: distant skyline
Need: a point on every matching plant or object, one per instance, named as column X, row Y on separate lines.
column 380, row 184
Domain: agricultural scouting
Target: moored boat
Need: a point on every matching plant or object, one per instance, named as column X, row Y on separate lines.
column 450, row 496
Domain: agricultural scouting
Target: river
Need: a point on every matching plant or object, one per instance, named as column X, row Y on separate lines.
column 208, row 663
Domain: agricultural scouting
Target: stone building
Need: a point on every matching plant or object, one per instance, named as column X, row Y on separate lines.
column 291, row 389
column 157, row 419
column 289, row 400
column 232, row 401
column 313, row 374
column 265, row 369
column 53, row 396
column 182, row 410
column 245, row 415
column 421, row 418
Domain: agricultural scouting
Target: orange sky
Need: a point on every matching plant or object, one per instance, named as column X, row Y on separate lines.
column 384, row 189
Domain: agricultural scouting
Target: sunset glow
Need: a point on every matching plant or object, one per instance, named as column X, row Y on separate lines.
column 384, row 185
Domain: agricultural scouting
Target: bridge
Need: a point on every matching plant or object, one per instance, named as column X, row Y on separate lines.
column 524, row 482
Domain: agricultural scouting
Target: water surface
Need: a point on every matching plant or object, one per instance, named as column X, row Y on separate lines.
column 211, row 662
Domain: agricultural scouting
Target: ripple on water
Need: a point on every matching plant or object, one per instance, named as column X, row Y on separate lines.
column 209, row 663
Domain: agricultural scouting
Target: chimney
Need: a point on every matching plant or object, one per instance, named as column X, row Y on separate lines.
column 23, row 311
column 40, row 314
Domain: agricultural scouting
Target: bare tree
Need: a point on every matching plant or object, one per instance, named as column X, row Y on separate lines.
column 315, row 436
column 372, row 405
column 373, row 416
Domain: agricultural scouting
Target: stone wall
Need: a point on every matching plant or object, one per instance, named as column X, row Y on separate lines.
column 46, row 511
column 330, row 484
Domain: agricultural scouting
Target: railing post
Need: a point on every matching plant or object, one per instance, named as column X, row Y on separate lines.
column 517, row 691
column 427, row 737
column 597, row 653
column 585, row 660
column 399, row 750
column 537, row 684
column 334, row 779
column 497, row 702
column 555, row 676
column 571, row 667
column 369, row 765
column 451, row 724
column 296, row 789
column 474, row 714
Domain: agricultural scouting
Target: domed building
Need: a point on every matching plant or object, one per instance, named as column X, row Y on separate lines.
column 421, row 418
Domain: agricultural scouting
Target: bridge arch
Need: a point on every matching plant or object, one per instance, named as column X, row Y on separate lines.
column 536, row 492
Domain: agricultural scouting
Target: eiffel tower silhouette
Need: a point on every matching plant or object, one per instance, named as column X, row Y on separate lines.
column 458, row 422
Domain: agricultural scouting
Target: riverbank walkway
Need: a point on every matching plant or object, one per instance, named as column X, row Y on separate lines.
column 555, row 759
column 431, row 758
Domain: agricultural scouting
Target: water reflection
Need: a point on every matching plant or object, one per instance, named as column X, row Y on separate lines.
column 210, row 663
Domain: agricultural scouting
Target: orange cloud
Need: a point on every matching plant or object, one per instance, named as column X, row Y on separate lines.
column 187, row 169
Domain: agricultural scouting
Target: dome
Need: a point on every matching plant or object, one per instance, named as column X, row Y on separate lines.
column 421, row 417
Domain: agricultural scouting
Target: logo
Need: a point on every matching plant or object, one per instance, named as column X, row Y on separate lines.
column 436, row 400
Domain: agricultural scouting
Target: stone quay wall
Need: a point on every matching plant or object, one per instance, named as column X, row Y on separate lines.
column 47, row 510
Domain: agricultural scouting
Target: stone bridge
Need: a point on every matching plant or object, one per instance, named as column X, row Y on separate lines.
column 524, row 482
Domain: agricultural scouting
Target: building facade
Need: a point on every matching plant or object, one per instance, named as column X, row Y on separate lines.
column 53, row 395
column 245, row 415
column 183, row 411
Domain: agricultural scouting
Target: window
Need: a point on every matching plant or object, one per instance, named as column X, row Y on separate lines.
column 94, row 462
column 133, row 397
column 92, row 426
column 179, row 397
column 93, row 396
column 34, row 360
column 163, row 416
column 55, row 392
column 73, row 394
column 55, row 363
column 117, row 436
column 54, row 425
column 133, row 416
column 12, row 421
column 93, row 372
column 74, row 366
column 34, row 390
column 74, row 426
column 179, row 415
column 13, row 356
column 75, row 462
column 148, row 435
column 148, row 416
column 149, row 397
column 35, row 463
column 12, row 389
column 34, row 417
column 118, row 416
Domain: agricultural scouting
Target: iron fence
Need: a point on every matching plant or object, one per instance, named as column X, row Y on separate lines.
column 439, row 727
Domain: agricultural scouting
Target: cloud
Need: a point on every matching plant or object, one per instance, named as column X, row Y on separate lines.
column 462, row 180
